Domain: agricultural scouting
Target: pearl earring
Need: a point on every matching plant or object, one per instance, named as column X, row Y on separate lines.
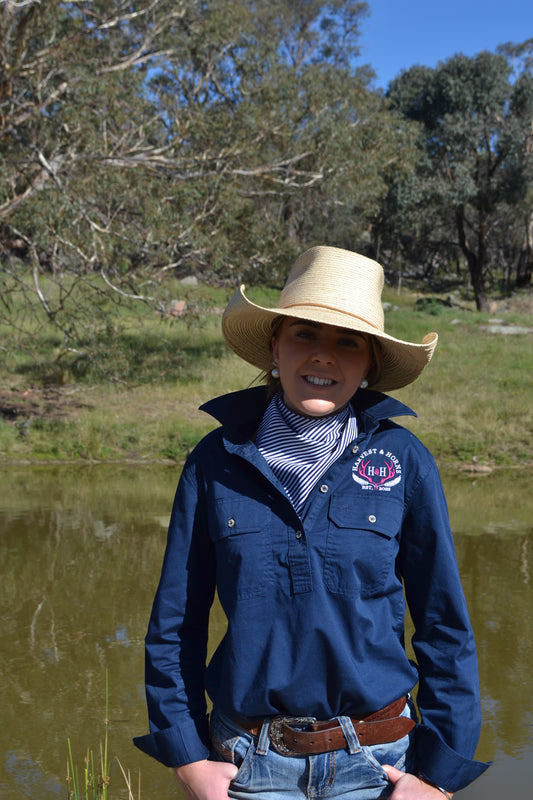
column 274, row 372
column 363, row 384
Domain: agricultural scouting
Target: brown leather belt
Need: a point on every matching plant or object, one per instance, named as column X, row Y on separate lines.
column 288, row 738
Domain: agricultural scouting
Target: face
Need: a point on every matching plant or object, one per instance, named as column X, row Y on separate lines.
column 320, row 366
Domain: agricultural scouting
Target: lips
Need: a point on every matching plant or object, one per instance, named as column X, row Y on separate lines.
column 319, row 381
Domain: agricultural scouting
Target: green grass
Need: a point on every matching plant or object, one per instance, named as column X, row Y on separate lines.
column 474, row 398
column 135, row 391
column 92, row 780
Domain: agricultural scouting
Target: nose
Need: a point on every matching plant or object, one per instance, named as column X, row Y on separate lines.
column 323, row 354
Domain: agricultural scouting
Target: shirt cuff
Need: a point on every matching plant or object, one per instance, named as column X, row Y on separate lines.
column 176, row 746
column 441, row 765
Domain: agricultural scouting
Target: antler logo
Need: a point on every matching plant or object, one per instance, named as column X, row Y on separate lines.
column 377, row 469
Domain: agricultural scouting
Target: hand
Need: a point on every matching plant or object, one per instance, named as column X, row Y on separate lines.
column 206, row 780
column 409, row 787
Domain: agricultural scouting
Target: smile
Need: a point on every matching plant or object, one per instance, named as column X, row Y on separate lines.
column 319, row 381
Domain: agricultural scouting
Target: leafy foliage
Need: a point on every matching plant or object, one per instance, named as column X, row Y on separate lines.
column 472, row 176
column 147, row 140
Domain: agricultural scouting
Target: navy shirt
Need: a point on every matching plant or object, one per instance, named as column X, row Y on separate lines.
column 315, row 603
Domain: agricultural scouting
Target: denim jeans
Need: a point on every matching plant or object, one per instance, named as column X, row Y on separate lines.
column 353, row 773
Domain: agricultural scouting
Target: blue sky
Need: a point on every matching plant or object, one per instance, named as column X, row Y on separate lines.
column 401, row 33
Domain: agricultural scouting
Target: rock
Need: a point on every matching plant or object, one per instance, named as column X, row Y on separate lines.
column 479, row 469
column 177, row 308
column 509, row 330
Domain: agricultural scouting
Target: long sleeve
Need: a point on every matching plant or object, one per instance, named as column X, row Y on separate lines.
column 176, row 641
column 448, row 695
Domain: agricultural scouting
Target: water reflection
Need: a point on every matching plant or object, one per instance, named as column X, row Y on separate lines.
column 80, row 552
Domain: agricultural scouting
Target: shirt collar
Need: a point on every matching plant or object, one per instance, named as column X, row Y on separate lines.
column 241, row 412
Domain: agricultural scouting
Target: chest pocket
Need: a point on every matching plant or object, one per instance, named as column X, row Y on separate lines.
column 361, row 545
column 240, row 530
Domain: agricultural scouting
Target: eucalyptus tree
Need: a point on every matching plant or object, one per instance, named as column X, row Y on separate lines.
column 146, row 138
column 286, row 141
column 474, row 167
column 520, row 218
column 72, row 103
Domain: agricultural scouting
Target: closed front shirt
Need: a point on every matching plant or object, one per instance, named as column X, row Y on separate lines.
column 316, row 601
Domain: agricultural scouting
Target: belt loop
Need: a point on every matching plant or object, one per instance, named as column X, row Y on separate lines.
column 263, row 741
column 349, row 734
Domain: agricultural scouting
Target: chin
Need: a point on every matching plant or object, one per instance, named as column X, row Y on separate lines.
column 318, row 408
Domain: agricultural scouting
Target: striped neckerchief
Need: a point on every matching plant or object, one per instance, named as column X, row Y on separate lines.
column 300, row 449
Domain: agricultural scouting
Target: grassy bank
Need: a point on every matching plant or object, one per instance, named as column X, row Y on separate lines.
column 139, row 400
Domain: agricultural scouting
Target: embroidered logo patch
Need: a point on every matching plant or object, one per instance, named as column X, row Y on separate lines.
column 377, row 469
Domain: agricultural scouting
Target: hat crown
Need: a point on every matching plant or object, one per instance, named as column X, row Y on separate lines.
column 338, row 280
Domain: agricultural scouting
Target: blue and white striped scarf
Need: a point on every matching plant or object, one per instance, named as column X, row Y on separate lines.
column 300, row 449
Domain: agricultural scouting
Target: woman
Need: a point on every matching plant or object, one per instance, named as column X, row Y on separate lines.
column 314, row 517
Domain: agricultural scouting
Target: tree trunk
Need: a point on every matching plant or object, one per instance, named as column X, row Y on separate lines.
column 524, row 267
column 475, row 260
column 478, row 282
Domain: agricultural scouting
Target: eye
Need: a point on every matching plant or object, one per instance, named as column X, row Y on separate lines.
column 350, row 341
column 304, row 333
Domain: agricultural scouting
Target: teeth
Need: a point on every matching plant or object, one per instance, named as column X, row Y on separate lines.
column 318, row 381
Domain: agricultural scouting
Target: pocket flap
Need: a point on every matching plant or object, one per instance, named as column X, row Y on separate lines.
column 383, row 516
column 234, row 517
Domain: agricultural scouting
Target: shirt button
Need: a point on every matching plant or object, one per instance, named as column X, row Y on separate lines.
column 324, row 488
column 372, row 518
column 355, row 449
column 299, row 534
column 231, row 523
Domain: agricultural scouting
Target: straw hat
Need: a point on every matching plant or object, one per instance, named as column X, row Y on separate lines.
column 335, row 287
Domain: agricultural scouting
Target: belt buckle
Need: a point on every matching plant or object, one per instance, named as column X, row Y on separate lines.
column 276, row 733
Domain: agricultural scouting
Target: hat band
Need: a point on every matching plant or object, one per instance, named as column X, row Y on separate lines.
column 329, row 308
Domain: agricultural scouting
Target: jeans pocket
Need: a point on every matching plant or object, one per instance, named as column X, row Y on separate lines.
column 396, row 754
column 400, row 753
column 228, row 743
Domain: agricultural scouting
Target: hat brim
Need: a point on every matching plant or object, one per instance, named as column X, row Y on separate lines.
column 247, row 328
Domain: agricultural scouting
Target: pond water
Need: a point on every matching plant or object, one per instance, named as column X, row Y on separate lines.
column 80, row 553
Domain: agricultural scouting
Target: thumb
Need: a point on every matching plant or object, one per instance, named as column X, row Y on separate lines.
column 393, row 774
column 228, row 770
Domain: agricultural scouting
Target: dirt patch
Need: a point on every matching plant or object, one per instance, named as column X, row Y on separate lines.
column 520, row 303
column 20, row 406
